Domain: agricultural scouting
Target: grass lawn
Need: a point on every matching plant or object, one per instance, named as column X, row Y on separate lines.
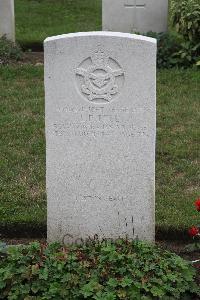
column 22, row 148
column 38, row 19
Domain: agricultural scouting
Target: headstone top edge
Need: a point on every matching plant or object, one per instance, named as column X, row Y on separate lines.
column 101, row 34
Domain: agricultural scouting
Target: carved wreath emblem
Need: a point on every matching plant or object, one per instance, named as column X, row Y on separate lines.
column 100, row 77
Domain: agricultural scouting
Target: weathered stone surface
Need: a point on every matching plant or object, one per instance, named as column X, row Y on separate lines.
column 100, row 135
column 7, row 19
column 135, row 15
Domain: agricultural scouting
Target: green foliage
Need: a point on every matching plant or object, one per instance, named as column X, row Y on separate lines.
column 9, row 51
column 188, row 54
column 186, row 20
column 181, row 49
column 168, row 46
column 174, row 52
column 96, row 270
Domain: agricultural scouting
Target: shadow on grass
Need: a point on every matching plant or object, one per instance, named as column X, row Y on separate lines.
column 33, row 46
column 31, row 230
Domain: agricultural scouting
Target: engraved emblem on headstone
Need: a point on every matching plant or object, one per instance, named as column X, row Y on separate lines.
column 100, row 77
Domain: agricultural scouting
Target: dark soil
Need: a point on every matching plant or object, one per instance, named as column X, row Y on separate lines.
column 33, row 57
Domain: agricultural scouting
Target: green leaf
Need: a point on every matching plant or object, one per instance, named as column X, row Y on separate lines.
column 112, row 282
column 126, row 282
column 2, row 284
column 157, row 292
column 43, row 274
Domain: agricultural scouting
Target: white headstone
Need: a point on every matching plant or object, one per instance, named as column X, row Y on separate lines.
column 7, row 19
column 100, row 94
column 135, row 15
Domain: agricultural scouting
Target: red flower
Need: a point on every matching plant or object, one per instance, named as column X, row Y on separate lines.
column 197, row 204
column 193, row 231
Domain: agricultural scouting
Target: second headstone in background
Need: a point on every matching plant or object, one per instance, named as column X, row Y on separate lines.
column 135, row 15
column 7, row 19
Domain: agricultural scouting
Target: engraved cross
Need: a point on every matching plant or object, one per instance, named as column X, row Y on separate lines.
column 135, row 4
